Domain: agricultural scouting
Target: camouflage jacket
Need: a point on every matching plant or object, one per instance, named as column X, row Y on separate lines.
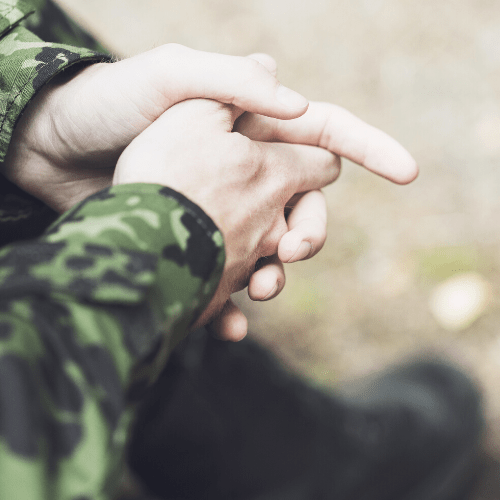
column 90, row 309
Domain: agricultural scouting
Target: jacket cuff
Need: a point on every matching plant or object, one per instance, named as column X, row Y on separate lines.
column 26, row 65
column 148, row 244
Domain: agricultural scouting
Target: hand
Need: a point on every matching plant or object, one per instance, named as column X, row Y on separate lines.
column 242, row 184
column 335, row 129
column 70, row 137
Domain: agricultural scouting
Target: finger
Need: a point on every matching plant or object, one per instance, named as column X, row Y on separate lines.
column 267, row 61
column 339, row 131
column 231, row 324
column 268, row 281
column 303, row 168
column 270, row 64
column 176, row 73
column 307, row 228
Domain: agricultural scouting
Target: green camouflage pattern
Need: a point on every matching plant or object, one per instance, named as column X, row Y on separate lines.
column 88, row 315
column 12, row 12
column 28, row 62
column 89, row 310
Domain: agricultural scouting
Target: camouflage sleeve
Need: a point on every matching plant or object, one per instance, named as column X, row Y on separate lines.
column 27, row 63
column 86, row 312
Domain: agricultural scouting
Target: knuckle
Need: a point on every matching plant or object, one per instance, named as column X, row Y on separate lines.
column 244, row 154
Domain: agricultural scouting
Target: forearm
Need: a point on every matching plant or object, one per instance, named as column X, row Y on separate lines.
column 100, row 299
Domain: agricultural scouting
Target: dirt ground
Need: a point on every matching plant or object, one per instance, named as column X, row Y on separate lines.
column 402, row 264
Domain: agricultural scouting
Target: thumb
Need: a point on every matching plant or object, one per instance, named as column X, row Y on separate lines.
column 270, row 64
column 175, row 73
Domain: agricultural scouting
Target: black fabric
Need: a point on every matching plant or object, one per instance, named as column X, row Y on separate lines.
column 22, row 216
column 225, row 421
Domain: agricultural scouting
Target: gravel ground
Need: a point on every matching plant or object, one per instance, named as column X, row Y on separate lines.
column 402, row 265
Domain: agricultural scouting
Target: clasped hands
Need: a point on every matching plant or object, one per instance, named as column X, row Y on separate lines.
column 219, row 129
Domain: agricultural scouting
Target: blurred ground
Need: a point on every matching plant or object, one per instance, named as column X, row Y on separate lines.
column 428, row 73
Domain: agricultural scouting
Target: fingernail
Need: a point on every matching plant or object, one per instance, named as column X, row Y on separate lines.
column 303, row 250
column 290, row 98
column 272, row 293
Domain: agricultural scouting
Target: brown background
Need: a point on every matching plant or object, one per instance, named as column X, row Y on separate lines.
column 428, row 73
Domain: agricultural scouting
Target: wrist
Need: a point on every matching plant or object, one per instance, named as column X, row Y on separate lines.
column 40, row 160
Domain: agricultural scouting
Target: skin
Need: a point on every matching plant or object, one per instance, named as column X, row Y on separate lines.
column 243, row 185
column 337, row 130
column 74, row 132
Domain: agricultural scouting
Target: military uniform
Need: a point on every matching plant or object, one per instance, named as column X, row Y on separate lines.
column 91, row 308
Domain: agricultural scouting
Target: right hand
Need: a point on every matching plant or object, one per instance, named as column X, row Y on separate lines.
column 243, row 185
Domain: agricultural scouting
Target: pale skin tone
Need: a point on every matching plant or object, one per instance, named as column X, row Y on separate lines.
column 76, row 130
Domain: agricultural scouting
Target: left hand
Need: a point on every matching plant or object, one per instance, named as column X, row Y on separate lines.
column 67, row 142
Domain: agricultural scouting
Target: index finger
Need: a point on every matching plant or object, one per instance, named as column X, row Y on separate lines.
column 340, row 132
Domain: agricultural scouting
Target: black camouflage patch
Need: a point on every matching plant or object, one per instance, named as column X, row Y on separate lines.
column 102, row 373
column 20, row 418
column 175, row 254
column 5, row 330
column 83, row 287
column 98, row 250
column 20, row 259
column 5, row 305
column 79, row 263
column 26, row 255
column 50, row 60
column 64, row 438
column 191, row 207
column 201, row 252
